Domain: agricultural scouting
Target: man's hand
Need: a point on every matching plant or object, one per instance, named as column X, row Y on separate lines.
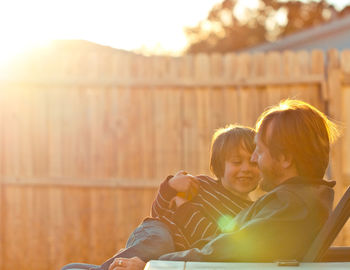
column 185, row 184
column 134, row 263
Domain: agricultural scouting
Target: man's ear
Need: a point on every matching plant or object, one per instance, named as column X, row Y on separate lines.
column 286, row 160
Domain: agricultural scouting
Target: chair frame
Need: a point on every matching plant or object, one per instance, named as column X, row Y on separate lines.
column 330, row 230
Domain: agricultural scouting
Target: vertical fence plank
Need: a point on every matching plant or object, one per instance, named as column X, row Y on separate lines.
column 204, row 112
column 173, row 123
column 318, row 68
column 335, row 95
column 345, row 67
column 345, row 113
column 55, row 153
column 288, row 71
column 2, row 206
column 230, row 94
column 335, row 98
column 111, row 127
column 167, row 132
column 83, row 113
column 56, row 216
column 244, row 71
column 257, row 93
column 216, row 104
column 190, row 162
column 147, row 133
column 309, row 92
column 273, row 70
column 10, row 152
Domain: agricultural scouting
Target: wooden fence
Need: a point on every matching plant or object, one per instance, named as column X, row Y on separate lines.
column 86, row 137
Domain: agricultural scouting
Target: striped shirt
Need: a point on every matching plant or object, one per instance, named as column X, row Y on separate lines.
column 195, row 222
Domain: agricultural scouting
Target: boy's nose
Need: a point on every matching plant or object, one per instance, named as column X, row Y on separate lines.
column 246, row 166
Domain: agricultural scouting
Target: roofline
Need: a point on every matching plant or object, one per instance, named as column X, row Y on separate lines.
column 304, row 36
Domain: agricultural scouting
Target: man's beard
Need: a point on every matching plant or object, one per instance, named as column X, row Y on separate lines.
column 267, row 184
column 270, row 178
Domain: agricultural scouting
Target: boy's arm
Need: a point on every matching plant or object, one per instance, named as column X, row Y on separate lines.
column 182, row 183
column 166, row 193
column 194, row 224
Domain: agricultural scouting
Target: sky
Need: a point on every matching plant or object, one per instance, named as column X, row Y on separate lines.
column 123, row 24
column 127, row 24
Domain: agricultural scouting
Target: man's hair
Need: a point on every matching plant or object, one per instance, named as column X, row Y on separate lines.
column 225, row 142
column 302, row 131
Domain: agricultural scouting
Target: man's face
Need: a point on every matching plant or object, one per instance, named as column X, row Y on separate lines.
column 270, row 168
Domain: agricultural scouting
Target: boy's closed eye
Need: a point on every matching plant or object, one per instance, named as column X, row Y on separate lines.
column 236, row 161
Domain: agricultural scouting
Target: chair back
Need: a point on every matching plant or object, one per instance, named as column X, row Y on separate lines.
column 330, row 229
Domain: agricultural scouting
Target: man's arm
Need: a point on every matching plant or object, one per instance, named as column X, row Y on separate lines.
column 274, row 228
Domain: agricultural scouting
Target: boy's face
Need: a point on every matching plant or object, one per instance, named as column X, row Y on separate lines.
column 241, row 176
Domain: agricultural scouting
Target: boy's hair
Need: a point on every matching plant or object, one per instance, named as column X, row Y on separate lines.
column 225, row 142
column 302, row 131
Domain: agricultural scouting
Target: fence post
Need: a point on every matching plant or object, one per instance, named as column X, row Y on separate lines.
column 335, row 112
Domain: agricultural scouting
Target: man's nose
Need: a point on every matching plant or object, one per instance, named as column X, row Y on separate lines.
column 253, row 158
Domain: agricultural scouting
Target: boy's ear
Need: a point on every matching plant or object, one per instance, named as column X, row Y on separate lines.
column 286, row 160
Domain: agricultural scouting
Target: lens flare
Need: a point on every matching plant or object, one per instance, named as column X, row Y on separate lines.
column 226, row 223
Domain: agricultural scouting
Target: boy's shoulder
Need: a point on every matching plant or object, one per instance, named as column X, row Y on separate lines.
column 207, row 179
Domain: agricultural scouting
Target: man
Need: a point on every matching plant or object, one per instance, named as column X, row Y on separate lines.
column 293, row 142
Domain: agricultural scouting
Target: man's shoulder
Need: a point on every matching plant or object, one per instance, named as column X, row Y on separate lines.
column 305, row 189
column 278, row 196
column 294, row 194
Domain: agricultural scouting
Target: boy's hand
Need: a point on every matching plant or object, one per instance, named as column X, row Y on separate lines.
column 178, row 201
column 185, row 184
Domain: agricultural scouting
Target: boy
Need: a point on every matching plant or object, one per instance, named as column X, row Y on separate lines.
column 189, row 210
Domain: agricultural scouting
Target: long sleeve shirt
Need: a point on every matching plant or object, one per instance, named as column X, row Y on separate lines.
column 278, row 226
column 195, row 222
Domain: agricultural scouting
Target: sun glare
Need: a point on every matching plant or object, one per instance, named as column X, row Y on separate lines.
column 15, row 48
column 153, row 25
